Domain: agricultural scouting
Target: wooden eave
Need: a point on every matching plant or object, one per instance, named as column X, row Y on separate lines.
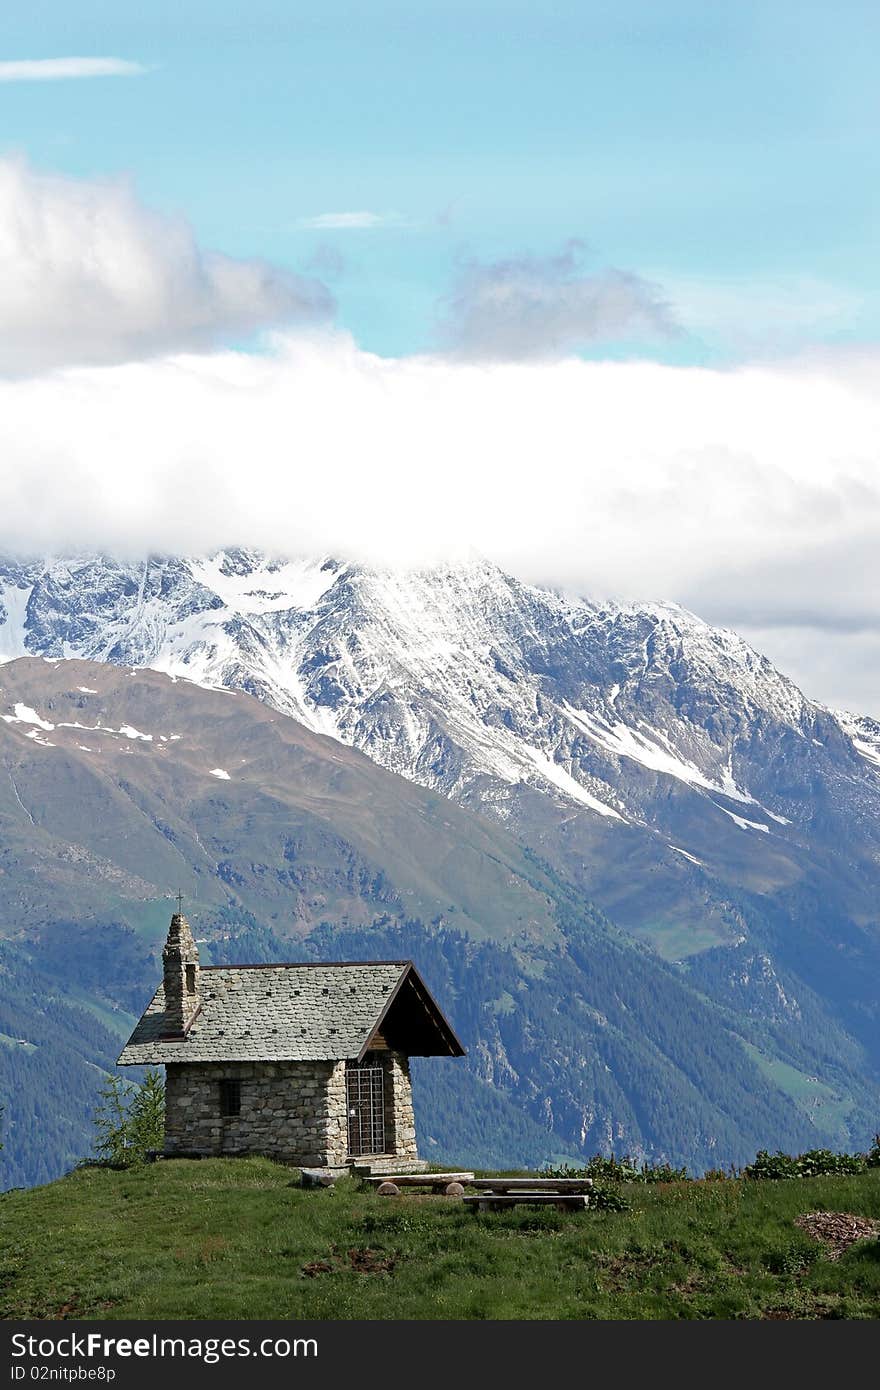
column 410, row 978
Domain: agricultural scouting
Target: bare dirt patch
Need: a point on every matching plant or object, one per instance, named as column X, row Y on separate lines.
column 366, row 1261
column 837, row 1230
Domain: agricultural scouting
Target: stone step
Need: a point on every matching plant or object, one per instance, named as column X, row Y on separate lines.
column 385, row 1163
column 321, row 1177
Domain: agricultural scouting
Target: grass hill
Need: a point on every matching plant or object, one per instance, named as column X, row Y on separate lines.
column 240, row 1239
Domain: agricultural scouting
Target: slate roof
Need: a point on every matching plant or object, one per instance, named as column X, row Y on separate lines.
column 273, row 1013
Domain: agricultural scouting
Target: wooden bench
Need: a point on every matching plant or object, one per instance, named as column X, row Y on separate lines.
column 561, row 1185
column 500, row 1201
column 437, row 1182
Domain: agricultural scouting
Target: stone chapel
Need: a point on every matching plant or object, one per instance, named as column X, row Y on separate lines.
column 305, row 1063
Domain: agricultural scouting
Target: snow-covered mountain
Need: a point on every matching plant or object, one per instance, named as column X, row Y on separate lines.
column 462, row 679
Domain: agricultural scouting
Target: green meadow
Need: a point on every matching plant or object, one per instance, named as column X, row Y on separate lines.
column 241, row 1239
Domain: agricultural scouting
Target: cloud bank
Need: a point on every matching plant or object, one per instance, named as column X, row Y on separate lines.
column 61, row 69
column 533, row 307
column 89, row 275
column 751, row 496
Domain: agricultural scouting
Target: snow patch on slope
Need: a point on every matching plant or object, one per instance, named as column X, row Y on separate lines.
column 23, row 714
column 37, row 737
column 864, row 734
column 558, row 777
column 653, row 752
column 13, row 629
column 869, row 751
column 264, row 585
column 685, row 854
column 744, row 824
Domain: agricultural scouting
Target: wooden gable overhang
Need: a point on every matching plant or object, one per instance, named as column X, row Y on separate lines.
column 413, row 1023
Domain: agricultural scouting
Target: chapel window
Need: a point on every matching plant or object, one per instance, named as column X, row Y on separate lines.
column 230, row 1098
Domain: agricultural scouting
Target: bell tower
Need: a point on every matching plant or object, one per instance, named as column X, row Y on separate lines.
column 180, row 975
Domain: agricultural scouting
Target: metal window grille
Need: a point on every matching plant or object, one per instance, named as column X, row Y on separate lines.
column 230, row 1098
column 365, row 1095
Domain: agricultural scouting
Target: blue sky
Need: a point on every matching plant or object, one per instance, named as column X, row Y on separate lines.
column 727, row 154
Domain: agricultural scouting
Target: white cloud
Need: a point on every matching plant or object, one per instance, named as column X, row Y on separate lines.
column 751, row 495
column 89, row 275
column 757, row 315
column 532, row 307
column 345, row 221
column 60, row 69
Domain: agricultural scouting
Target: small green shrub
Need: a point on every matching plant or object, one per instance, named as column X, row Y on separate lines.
column 604, row 1198
column 791, row 1258
column 815, row 1163
column 624, row 1169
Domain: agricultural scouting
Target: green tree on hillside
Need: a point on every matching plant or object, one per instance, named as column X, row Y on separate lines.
column 146, row 1116
column 111, row 1122
column 130, row 1120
